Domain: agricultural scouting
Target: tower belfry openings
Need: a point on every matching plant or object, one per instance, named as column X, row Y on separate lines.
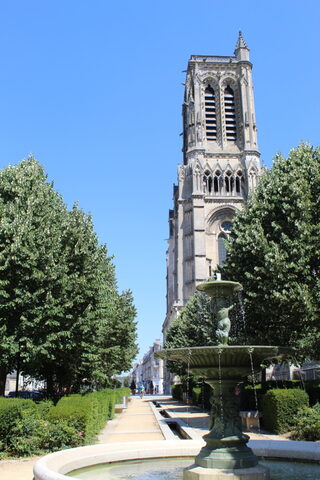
column 210, row 113
column 220, row 168
column 230, row 114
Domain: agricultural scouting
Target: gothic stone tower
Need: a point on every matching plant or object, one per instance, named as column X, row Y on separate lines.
column 220, row 168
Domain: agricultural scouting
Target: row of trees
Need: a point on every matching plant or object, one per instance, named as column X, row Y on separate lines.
column 274, row 252
column 61, row 316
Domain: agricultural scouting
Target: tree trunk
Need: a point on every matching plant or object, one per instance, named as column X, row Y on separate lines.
column 3, row 377
column 18, row 374
column 263, row 378
column 50, row 390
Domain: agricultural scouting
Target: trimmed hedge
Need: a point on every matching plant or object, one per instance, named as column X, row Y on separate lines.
column 29, row 428
column 89, row 413
column 307, row 424
column 279, row 408
column 12, row 410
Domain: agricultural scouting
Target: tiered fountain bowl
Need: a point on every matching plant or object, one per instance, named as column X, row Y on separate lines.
column 226, row 454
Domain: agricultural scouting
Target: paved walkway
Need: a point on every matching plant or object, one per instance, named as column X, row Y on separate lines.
column 134, row 424
column 17, row 469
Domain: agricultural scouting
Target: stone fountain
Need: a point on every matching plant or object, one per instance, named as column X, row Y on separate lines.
column 226, row 454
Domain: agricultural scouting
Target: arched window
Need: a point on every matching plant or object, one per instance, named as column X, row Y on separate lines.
column 207, row 182
column 222, row 252
column 239, row 181
column 230, row 114
column 252, row 179
column 228, row 182
column 216, row 181
column 210, row 112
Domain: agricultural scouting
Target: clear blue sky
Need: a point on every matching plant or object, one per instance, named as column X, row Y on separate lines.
column 93, row 90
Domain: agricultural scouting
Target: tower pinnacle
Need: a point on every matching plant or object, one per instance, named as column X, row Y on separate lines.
column 241, row 51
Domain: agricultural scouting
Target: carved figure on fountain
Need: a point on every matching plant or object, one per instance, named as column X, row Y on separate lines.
column 223, row 325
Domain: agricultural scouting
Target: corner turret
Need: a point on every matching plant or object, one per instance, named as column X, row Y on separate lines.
column 242, row 51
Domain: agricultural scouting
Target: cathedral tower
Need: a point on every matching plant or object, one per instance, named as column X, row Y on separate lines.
column 220, row 167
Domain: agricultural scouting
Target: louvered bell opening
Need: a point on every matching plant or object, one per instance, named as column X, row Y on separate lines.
column 210, row 113
column 230, row 114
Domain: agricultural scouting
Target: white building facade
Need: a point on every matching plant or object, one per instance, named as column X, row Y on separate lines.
column 220, row 168
column 149, row 372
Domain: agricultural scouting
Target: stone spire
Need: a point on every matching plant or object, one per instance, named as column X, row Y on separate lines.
column 241, row 51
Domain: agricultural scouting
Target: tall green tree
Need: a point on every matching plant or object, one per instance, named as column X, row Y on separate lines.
column 30, row 214
column 274, row 251
column 117, row 340
column 58, row 292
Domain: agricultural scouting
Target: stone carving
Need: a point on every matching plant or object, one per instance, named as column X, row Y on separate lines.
column 223, row 325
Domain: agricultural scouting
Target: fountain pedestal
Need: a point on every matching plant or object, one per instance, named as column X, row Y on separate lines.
column 226, row 454
column 226, row 444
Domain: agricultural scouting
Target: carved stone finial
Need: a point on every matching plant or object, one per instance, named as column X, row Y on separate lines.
column 241, row 51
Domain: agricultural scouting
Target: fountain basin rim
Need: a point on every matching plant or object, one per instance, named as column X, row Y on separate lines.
column 54, row 466
column 212, row 287
column 271, row 351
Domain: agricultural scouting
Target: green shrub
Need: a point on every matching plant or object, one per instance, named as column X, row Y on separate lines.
column 12, row 410
column 121, row 392
column 280, row 384
column 32, row 436
column 280, row 406
column 27, row 428
column 59, row 435
column 177, row 391
column 307, row 423
column 24, row 437
column 77, row 414
column 196, row 395
column 88, row 413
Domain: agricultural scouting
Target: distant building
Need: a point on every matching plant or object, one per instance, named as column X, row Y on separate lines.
column 220, row 168
column 137, row 374
column 149, row 371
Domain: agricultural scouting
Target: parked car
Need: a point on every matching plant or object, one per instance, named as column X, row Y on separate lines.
column 32, row 394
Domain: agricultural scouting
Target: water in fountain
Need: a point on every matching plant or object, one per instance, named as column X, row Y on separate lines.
column 220, row 388
column 188, row 385
column 254, row 385
column 172, row 469
column 202, row 394
column 243, row 320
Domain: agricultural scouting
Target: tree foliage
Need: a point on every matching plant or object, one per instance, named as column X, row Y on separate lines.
column 193, row 327
column 274, row 251
column 59, row 304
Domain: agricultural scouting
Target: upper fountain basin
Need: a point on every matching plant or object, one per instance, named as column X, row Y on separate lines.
column 224, row 361
column 219, row 288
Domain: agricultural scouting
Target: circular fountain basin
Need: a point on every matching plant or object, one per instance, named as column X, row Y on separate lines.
column 56, row 466
column 172, row 469
column 219, row 288
column 225, row 361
